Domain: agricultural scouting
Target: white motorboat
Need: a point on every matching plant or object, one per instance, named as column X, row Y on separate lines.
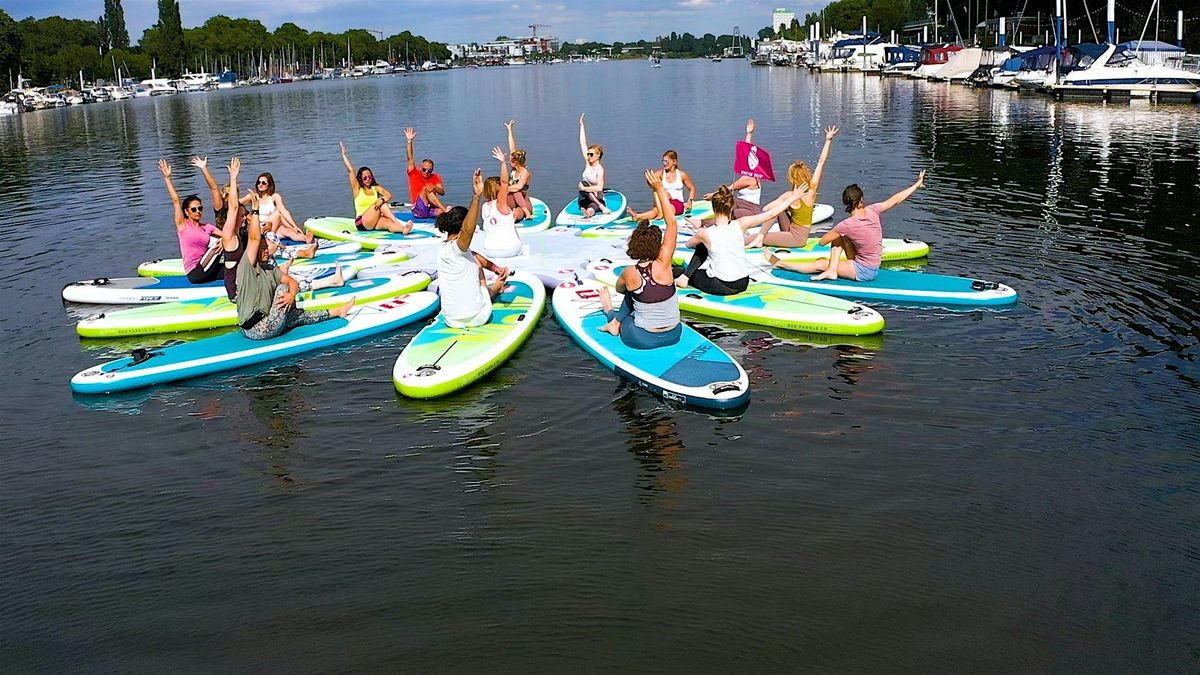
column 960, row 66
column 933, row 59
column 1115, row 70
column 157, row 87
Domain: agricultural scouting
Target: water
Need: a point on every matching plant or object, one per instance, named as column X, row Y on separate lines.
column 999, row 491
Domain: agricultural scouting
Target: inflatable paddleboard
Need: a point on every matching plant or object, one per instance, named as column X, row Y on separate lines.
column 767, row 305
column 694, row 371
column 325, row 254
column 894, row 250
column 233, row 350
column 700, row 210
column 441, row 359
column 175, row 317
column 903, row 287
column 822, row 212
column 540, row 222
column 572, row 215
column 343, row 229
column 147, row 290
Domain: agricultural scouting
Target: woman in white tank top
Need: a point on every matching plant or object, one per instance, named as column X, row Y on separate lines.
column 591, row 184
column 674, row 180
column 499, row 225
column 273, row 215
column 466, row 296
column 719, row 265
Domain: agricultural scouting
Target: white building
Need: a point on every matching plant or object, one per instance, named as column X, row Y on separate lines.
column 782, row 17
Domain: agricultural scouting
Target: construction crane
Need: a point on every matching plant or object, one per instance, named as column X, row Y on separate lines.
column 536, row 26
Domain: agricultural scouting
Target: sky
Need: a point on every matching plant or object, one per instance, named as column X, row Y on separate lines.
column 454, row 20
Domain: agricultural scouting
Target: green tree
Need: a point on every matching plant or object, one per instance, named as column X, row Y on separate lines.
column 10, row 44
column 115, row 34
column 170, row 40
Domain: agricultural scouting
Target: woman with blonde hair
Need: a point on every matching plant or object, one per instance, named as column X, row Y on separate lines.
column 591, row 185
column 796, row 220
column 518, row 178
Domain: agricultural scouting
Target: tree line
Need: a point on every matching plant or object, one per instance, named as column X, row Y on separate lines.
column 54, row 50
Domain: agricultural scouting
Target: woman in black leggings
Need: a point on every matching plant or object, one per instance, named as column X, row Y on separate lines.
column 718, row 265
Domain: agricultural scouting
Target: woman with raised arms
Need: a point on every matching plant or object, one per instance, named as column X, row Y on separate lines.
column 649, row 315
column 371, row 210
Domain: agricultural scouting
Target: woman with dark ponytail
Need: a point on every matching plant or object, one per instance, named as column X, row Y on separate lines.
column 649, row 315
column 860, row 237
column 718, row 263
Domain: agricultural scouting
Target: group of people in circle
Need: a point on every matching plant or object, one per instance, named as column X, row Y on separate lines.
column 647, row 318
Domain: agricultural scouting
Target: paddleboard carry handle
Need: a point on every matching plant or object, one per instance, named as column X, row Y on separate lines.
column 977, row 285
column 722, row 387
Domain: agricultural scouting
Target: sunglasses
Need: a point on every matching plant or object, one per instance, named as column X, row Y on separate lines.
column 196, row 209
column 262, row 182
column 426, row 171
column 591, row 154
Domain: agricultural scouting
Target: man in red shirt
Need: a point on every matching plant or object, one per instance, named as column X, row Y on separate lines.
column 424, row 186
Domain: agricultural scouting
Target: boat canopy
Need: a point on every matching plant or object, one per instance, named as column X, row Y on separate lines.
column 1077, row 57
column 901, row 55
column 934, row 54
column 1151, row 52
column 1034, row 59
column 228, row 77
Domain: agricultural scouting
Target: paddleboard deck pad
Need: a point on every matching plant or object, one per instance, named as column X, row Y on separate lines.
column 343, row 229
column 173, row 267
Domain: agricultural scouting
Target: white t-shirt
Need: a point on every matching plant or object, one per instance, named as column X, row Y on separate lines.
column 463, row 296
column 727, row 252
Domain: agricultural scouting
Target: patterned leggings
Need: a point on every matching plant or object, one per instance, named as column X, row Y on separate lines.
column 279, row 321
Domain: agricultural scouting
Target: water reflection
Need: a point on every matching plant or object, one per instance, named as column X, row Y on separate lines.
column 652, row 436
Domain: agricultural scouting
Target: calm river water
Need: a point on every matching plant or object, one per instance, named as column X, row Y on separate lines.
column 970, row 491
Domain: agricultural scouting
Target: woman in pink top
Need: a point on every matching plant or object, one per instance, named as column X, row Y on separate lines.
column 860, row 237
column 193, row 235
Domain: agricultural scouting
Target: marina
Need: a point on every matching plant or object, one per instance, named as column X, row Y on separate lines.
column 1008, row 468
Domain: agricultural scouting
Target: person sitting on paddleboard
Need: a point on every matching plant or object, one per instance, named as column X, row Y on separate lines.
column 591, row 184
column 499, row 224
column 518, row 178
column 674, row 180
column 718, row 265
column 466, row 295
column 424, row 186
column 220, row 197
column 747, row 190
column 796, row 220
column 274, row 217
column 649, row 314
column 199, row 254
column 860, row 237
column 266, row 294
column 371, row 210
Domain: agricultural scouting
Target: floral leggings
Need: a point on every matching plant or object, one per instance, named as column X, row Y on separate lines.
column 278, row 321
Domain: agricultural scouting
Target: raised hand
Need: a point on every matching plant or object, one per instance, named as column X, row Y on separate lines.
column 199, row 162
column 830, row 132
column 498, row 153
column 410, row 133
column 164, row 168
column 653, row 180
column 921, row 179
column 581, row 118
column 509, row 124
column 343, row 147
column 750, row 126
column 234, row 166
column 477, row 182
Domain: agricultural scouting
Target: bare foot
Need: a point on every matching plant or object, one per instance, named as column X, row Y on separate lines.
column 606, row 299
column 338, row 280
column 343, row 310
column 771, row 258
column 612, row 328
column 589, row 212
column 307, row 251
column 681, row 281
column 308, row 236
column 518, row 214
column 827, row 274
column 631, row 213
